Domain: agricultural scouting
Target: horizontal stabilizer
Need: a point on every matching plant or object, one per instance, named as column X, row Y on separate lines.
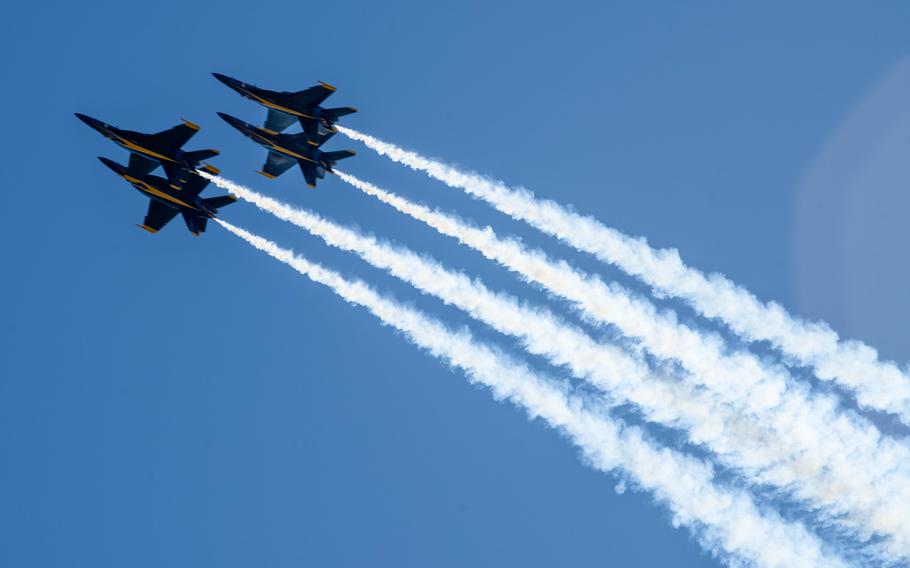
column 324, row 137
column 199, row 155
column 340, row 111
column 309, row 173
column 195, row 223
column 338, row 155
column 220, row 201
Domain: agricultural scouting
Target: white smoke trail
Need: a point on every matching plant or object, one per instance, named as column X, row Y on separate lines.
column 837, row 457
column 877, row 385
column 726, row 521
column 812, row 472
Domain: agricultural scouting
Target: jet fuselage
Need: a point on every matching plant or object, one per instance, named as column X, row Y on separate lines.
column 280, row 101
column 158, row 189
column 137, row 143
column 293, row 146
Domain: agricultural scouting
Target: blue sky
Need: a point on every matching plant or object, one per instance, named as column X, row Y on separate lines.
column 180, row 401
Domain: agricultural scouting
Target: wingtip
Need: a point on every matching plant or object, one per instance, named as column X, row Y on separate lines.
column 329, row 87
column 311, row 185
column 266, row 174
column 192, row 125
column 147, row 228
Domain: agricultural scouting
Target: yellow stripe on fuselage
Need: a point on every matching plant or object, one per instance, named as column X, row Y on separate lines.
column 275, row 106
column 290, row 153
column 146, row 151
column 151, row 190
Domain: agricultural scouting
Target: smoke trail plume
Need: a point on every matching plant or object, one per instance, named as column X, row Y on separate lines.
column 725, row 521
column 813, row 472
column 877, row 385
column 838, row 457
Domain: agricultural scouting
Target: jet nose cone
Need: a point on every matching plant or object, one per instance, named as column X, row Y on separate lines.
column 120, row 170
column 235, row 122
column 226, row 80
column 93, row 122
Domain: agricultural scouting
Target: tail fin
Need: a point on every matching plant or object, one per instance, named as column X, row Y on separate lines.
column 195, row 223
column 220, row 201
column 323, row 138
column 340, row 111
column 200, row 155
column 338, row 155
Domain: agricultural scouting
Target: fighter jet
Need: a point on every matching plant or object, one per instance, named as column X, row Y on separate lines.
column 284, row 107
column 166, row 202
column 287, row 149
column 148, row 151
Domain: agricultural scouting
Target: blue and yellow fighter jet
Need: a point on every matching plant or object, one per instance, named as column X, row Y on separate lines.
column 285, row 107
column 148, row 151
column 166, row 202
column 287, row 149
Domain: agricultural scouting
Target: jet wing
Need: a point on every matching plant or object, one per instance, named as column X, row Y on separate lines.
column 175, row 137
column 278, row 120
column 158, row 216
column 309, row 173
column 276, row 164
column 195, row 223
column 312, row 97
column 140, row 166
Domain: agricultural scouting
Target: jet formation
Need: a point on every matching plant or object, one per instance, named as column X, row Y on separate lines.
column 285, row 150
column 179, row 191
column 284, row 108
column 166, row 201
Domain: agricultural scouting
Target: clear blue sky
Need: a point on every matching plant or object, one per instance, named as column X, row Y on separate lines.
column 174, row 401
